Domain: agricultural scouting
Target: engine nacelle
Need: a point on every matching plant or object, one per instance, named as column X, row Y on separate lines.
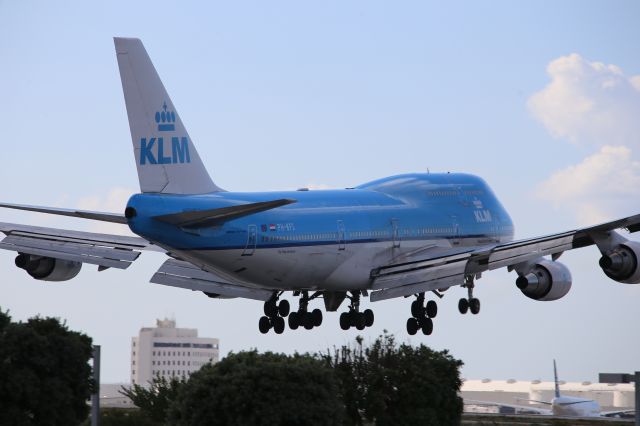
column 546, row 280
column 621, row 263
column 48, row 268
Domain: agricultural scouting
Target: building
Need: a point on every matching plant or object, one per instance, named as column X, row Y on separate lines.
column 167, row 351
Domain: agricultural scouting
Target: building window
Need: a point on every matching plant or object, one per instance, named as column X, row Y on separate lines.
column 154, row 353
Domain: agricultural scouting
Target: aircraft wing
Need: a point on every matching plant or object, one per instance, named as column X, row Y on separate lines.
column 517, row 408
column 421, row 272
column 104, row 250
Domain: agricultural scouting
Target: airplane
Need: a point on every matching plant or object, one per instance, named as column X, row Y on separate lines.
column 410, row 235
column 565, row 406
column 568, row 405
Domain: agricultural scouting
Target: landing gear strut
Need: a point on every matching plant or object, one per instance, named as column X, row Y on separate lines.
column 470, row 303
column 274, row 314
column 302, row 317
column 355, row 318
column 421, row 315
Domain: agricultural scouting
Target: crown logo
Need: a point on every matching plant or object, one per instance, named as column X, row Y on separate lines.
column 165, row 119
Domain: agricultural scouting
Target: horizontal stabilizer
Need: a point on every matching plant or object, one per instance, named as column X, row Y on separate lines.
column 211, row 217
column 84, row 214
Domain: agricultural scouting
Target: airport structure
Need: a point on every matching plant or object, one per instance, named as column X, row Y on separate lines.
column 168, row 352
column 610, row 396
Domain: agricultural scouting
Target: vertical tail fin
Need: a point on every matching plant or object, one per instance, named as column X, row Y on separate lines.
column 555, row 379
column 166, row 158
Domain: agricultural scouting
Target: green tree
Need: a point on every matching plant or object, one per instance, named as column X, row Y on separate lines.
column 260, row 389
column 45, row 377
column 154, row 400
column 398, row 385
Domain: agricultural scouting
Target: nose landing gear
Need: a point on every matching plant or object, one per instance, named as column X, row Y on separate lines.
column 422, row 316
column 470, row 303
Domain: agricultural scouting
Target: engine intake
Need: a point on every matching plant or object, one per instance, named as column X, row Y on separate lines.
column 621, row 264
column 546, row 281
column 48, row 268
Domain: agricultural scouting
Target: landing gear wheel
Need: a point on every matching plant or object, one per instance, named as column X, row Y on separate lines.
column 294, row 320
column 270, row 309
column 264, row 325
column 412, row 326
column 316, row 316
column 463, row 306
column 427, row 326
column 359, row 320
column 278, row 325
column 284, row 308
column 307, row 321
column 368, row 317
column 474, row 306
column 416, row 309
column 432, row 309
column 345, row 321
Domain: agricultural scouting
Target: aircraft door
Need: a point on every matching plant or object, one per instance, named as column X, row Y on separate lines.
column 395, row 233
column 341, row 236
column 455, row 226
column 252, row 240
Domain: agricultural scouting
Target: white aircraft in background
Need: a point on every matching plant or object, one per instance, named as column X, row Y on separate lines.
column 562, row 406
column 568, row 405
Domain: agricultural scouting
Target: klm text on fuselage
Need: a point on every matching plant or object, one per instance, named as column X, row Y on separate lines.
column 154, row 151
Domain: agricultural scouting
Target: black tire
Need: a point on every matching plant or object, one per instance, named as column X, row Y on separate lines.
column 416, row 309
column 360, row 320
column 278, row 325
column 270, row 309
column 316, row 314
column 284, row 308
column 412, row 326
column 345, row 321
column 432, row 309
column 294, row 321
column 264, row 325
column 463, row 306
column 307, row 321
column 427, row 326
column 368, row 317
column 474, row 306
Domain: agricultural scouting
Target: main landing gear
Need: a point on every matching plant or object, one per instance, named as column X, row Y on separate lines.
column 304, row 318
column 355, row 318
column 274, row 314
column 421, row 315
column 470, row 303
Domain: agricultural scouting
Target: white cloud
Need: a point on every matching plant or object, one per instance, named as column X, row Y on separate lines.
column 602, row 186
column 589, row 103
column 595, row 105
column 114, row 202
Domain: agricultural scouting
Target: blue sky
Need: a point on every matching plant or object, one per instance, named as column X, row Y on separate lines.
column 281, row 95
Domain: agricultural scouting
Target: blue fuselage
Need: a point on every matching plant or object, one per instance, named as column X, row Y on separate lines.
column 385, row 218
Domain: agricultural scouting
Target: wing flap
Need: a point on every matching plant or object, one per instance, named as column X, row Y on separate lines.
column 66, row 255
column 212, row 217
column 180, row 274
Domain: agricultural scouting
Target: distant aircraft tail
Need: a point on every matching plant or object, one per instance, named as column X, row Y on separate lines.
column 555, row 379
column 166, row 158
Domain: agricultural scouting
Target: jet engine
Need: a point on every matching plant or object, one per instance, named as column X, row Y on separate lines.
column 622, row 263
column 48, row 268
column 546, row 280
